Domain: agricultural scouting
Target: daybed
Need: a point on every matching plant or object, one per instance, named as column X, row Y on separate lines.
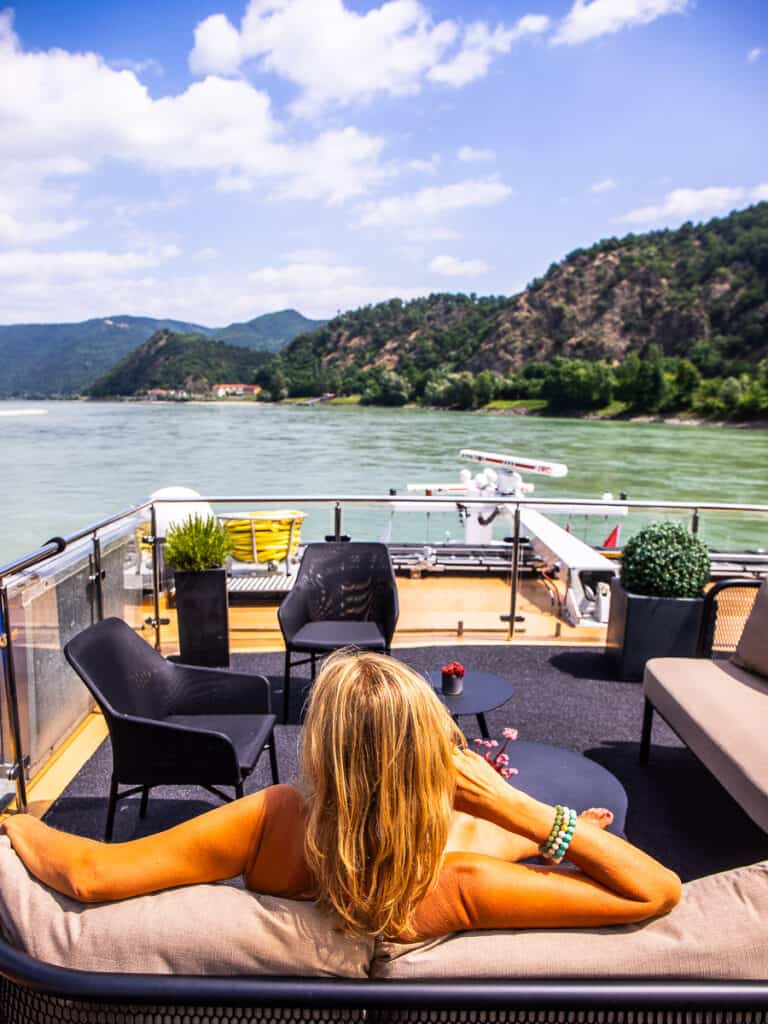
column 719, row 708
column 214, row 953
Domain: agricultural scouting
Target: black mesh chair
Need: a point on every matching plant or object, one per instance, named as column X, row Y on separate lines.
column 345, row 595
column 171, row 724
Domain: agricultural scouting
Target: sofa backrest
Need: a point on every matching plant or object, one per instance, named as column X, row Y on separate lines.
column 752, row 650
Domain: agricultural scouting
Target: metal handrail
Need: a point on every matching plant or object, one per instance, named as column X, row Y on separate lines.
column 57, row 545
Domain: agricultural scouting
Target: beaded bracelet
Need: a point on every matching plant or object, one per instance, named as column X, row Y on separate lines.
column 555, row 846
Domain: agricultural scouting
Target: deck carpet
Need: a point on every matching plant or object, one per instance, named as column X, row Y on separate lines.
column 566, row 696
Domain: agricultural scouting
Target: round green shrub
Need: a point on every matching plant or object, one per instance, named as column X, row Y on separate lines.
column 197, row 544
column 665, row 560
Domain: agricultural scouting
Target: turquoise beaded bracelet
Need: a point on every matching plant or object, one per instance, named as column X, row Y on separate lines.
column 555, row 846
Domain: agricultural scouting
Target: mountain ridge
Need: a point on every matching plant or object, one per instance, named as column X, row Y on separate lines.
column 67, row 358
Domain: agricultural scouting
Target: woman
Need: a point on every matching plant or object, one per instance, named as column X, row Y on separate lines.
column 395, row 824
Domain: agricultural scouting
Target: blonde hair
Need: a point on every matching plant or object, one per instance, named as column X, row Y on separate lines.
column 377, row 772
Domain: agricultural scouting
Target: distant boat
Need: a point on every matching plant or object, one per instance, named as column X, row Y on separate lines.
column 23, row 412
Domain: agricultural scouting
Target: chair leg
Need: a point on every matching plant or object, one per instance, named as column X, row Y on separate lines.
column 144, row 802
column 111, row 810
column 273, row 760
column 313, row 668
column 645, row 738
column 238, row 790
column 286, row 686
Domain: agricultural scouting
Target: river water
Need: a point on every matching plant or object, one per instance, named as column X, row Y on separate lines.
column 80, row 461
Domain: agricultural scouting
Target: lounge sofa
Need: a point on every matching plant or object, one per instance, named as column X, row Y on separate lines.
column 719, row 708
column 213, row 953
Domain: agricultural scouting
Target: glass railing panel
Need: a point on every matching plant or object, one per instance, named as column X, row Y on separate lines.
column 47, row 606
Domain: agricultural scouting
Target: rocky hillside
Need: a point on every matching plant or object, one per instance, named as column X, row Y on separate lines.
column 699, row 292
column 47, row 359
column 178, row 361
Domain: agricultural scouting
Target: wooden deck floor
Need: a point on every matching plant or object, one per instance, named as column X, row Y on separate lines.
column 433, row 610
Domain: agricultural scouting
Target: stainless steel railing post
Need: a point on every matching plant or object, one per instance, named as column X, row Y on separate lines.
column 97, row 577
column 515, row 575
column 695, row 522
column 155, row 577
column 17, row 766
column 337, row 521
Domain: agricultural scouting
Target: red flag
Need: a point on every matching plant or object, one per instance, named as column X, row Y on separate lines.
column 612, row 540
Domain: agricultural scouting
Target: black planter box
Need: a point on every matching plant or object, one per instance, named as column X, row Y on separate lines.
column 641, row 627
column 201, row 605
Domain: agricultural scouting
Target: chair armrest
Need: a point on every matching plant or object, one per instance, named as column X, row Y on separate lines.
column 710, row 610
column 144, row 749
column 218, row 691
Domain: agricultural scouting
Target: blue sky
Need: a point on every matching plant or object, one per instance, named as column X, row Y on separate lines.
column 215, row 161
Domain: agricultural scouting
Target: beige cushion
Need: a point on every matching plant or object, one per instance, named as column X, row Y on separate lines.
column 200, row 929
column 752, row 650
column 721, row 712
column 717, row 931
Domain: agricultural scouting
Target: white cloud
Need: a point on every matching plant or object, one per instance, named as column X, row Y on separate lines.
column 589, row 19
column 480, row 45
column 79, row 263
column 469, row 154
column 336, row 56
column 450, row 266
column 606, row 185
column 754, row 54
column 686, row 203
column 208, row 253
column 432, row 202
column 66, row 112
column 138, row 67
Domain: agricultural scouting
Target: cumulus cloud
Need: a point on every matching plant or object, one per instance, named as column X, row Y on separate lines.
column 79, row 263
column 74, row 105
column 336, row 56
column 685, row 203
column 606, row 185
column 480, row 45
column 450, row 266
column 590, row 19
column 432, row 202
column 754, row 54
column 139, row 67
column 470, row 155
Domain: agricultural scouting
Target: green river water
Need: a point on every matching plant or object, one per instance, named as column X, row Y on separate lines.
column 78, row 462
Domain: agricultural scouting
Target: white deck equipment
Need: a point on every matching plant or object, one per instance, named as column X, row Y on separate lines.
column 587, row 572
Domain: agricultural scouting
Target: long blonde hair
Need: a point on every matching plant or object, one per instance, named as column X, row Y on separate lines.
column 377, row 773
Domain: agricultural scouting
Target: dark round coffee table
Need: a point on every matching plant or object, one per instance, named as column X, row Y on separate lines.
column 483, row 692
column 558, row 776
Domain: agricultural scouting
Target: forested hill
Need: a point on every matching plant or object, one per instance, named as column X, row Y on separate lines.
column 46, row 359
column 698, row 294
column 177, row 361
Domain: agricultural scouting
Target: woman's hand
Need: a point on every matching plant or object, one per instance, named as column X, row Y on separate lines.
column 479, row 787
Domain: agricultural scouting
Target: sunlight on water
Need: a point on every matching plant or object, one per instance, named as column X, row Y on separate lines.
column 83, row 461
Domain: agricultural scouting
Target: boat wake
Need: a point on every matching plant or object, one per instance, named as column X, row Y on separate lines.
column 23, row 412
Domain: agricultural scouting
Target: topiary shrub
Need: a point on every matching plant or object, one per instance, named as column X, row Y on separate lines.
column 197, row 544
column 665, row 560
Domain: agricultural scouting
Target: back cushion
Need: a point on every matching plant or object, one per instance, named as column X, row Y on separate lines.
column 200, row 929
column 718, row 930
column 752, row 651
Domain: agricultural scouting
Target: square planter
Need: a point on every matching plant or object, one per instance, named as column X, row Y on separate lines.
column 203, row 613
column 642, row 627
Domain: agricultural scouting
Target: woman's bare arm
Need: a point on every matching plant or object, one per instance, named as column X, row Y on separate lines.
column 219, row 844
column 616, row 882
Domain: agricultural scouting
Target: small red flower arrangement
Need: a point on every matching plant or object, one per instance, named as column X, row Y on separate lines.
column 499, row 759
column 453, row 668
